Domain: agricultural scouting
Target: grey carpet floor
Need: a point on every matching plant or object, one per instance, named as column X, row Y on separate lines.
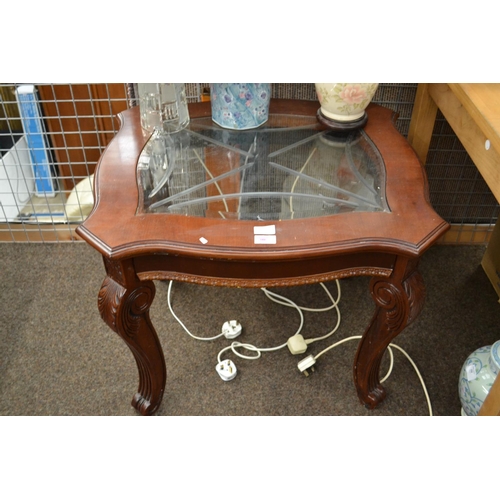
column 57, row 357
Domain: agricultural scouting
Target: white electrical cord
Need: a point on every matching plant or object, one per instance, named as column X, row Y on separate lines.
column 287, row 302
column 181, row 323
column 357, row 337
column 419, row 376
column 279, row 299
column 260, row 350
column 215, row 182
column 275, row 298
column 297, row 179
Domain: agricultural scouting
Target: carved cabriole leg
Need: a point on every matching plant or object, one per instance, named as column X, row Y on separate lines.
column 399, row 300
column 124, row 304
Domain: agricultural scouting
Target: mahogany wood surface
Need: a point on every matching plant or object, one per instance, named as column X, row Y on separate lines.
column 140, row 248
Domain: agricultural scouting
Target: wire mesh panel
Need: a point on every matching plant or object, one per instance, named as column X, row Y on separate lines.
column 458, row 191
column 49, row 154
column 396, row 96
column 51, row 138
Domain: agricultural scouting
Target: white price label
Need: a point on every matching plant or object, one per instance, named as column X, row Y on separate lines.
column 264, row 229
column 471, row 372
column 264, row 239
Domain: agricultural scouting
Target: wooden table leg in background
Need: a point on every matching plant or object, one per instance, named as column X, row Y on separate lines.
column 399, row 300
column 124, row 303
column 422, row 122
column 491, row 405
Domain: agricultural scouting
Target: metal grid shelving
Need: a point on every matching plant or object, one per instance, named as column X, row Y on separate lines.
column 458, row 191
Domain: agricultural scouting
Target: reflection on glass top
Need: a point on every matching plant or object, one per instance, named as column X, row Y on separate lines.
column 290, row 168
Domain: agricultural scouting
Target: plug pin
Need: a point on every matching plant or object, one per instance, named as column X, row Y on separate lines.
column 307, row 364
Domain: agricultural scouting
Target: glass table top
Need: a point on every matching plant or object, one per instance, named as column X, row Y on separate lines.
column 289, row 168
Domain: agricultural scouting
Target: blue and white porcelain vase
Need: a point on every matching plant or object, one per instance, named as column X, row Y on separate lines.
column 477, row 376
column 240, row 106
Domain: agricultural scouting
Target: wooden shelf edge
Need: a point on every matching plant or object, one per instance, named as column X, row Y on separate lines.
column 18, row 233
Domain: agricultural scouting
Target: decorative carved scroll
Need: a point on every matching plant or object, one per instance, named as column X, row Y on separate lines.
column 415, row 290
column 126, row 311
column 398, row 304
column 108, row 301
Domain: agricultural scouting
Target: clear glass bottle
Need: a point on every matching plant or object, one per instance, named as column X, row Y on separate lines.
column 163, row 106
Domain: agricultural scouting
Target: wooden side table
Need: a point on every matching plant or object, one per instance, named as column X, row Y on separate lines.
column 339, row 207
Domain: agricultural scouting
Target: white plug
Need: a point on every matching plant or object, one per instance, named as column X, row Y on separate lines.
column 231, row 329
column 296, row 344
column 226, row 370
column 306, row 363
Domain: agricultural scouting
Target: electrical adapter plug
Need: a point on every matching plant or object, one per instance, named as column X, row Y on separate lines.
column 231, row 329
column 226, row 370
column 306, row 364
column 296, row 344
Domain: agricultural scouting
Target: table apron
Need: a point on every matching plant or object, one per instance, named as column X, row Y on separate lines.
column 255, row 274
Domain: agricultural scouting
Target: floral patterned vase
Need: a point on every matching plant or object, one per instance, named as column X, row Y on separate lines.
column 240, row 106
column 477, row 376
column 345, row 102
